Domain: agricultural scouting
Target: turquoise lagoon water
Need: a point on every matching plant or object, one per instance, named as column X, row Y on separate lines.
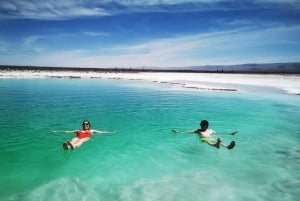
column 145, row 160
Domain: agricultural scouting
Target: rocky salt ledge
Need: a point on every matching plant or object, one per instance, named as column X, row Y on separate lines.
column 187, row 81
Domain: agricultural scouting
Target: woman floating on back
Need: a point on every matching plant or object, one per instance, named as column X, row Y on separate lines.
column 206, row 135
column 81, row 135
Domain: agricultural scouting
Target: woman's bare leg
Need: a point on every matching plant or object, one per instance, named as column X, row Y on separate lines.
column 79, row 142
column 72, row 143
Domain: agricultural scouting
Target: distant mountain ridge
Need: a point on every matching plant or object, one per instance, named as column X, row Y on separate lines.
column 289, row 68
column 254, row 68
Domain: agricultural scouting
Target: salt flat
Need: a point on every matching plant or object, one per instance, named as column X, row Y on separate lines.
column 192, row 81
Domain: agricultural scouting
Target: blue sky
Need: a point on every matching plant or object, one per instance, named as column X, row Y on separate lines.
column 152, row 33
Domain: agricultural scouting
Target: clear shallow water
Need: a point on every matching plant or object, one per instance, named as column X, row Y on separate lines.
column 145, row 160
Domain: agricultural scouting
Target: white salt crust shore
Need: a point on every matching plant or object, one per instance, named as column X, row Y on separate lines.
column 192, row 81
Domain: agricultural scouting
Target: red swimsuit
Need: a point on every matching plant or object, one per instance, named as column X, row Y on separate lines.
column 84, row 134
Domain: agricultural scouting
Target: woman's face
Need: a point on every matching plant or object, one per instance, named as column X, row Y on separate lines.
column 85, row 125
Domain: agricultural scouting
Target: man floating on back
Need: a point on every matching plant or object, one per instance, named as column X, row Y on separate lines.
column 206, row 133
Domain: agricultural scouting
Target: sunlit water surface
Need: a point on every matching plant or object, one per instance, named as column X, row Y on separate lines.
column 145, row 160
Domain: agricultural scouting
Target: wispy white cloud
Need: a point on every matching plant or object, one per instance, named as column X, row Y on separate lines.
column 40, row 43
column 68, row 9
column 221, row 47
column 148, row 40
column 93, row 33
column 32, row 40
column 44, row 10
column 51, row 42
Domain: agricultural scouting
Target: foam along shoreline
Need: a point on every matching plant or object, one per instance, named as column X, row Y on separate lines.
column 188, row 81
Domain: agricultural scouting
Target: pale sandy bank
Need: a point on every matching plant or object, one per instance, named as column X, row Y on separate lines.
column 192, row 81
